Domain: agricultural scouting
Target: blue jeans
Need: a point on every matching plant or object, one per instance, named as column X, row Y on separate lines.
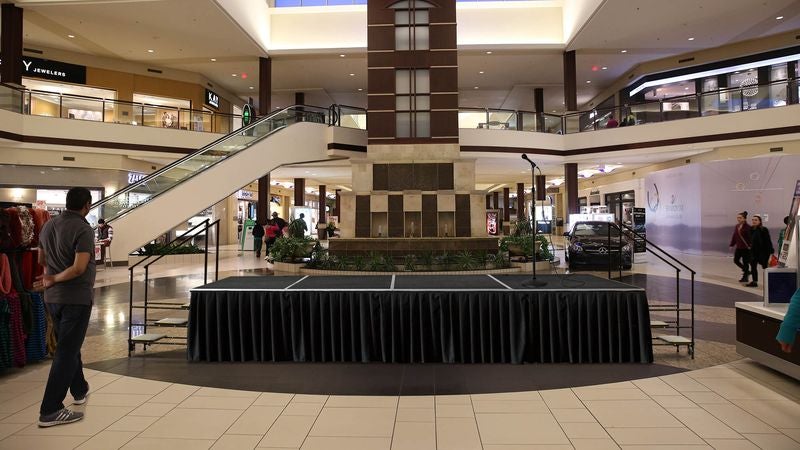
column 66, row 372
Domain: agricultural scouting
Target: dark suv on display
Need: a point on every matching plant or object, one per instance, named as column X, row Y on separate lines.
column 588, row 245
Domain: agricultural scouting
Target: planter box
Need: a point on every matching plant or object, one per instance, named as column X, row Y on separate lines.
column 292, row 268
column 304, row 271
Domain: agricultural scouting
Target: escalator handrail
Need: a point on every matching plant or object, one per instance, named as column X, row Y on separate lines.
column 166, row 168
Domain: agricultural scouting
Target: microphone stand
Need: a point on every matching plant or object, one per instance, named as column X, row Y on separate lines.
column 533, row 282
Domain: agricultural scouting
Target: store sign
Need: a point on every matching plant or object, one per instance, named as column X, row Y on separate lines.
column 789, row 234
column 212, row 99
column 52, row 70
column 492, row 223
column 245, row 195
column 133, row 177
column 247, row 114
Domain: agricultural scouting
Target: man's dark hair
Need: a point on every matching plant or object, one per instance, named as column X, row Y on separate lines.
column 77, row 198
column 101, row 221
column 786, row 220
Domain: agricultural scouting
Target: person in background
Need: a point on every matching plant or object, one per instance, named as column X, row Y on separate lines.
column 782, row 234
column 612, row 122
column 278, row 221
column 791, row 322
column 740, row 241
column 760, row 249
column 272, row 233
column 630, row 120
column 66, row 248
column 105, row 234
column 258, row 238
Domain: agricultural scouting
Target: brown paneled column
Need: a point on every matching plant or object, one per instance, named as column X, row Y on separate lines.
column 11, row 44
column 495, row 200
column 299, row 192
column 520, row 200
column 264, row 107
column 541, row 190
column 506, row 204
column 337, row 207
column 321, row 211
column 571, row 187
column 488, row 201
column 538, row 105
column 570, row 82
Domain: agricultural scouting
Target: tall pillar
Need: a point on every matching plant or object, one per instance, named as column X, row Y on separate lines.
column 299, row 192
column 541, row 190
column 570, row 81
column 323, row 219
column 520, row 200
column 11, row 44
column 264, row 107
column 571, row 187
column 506, row 204
column 538, row 106
column 299, row 99
column 496, row 200
column 791, row 91
column 488, row 201
column 337, row 207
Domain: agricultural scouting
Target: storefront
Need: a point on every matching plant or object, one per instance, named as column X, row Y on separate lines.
column 53, row 199
column 164, row 112
column 56, row 99
column 621, row 204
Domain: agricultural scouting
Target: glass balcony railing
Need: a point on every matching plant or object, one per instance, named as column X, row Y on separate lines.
column 122, row 201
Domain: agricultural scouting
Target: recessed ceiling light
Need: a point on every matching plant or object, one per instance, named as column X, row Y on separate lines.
column 554, row 110
column 686, row 88
column 71, row 36
column 213, row 59
column 150, row 51
column 604, row 68
column 588, row 81
column 234, row 75
column 489, row 53
column 779, row 18
column 359, row 89
column 624, row 51
column 691, row 39
column 342, row 56
column 251, row 87
column 481, row 72
column 352, row 74
column 476, row 87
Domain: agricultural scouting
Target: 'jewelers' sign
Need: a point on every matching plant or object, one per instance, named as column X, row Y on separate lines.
column 52, row 70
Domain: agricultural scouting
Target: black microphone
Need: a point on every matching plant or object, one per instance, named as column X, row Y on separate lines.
column 525, row 157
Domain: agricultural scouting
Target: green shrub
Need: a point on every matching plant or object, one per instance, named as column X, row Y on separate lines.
column 426, row 259
column 409, row 262
column 464, row 260
column 290, row 249
column 161, row 249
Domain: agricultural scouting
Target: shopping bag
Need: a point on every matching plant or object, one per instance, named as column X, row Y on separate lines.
column 773, row 261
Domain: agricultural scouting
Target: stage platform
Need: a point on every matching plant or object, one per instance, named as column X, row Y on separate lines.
column 420, row 319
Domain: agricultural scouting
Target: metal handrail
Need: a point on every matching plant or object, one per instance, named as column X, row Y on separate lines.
column 658, row 248
column 177, row 238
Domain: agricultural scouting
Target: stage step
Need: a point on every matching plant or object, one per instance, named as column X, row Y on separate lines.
column 148, row 338
column 675, row 340
column 186, row 305
column 658, row 324
column 171, row 322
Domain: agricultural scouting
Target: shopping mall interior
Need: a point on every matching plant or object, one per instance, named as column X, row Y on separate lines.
column 501, row 225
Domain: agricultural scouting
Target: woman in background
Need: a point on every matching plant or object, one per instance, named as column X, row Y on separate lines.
column 760, row 248
column 740, row 241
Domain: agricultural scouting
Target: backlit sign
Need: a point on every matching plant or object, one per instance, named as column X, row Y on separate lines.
column 52, row 70
column 212, row 99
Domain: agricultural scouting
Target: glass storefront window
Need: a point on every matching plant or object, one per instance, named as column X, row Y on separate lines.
column 749, row 95
column 778, row 87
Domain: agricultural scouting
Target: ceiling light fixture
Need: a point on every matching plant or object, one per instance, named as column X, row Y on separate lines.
column 691, row 39
column 604, row 68
column 489, row 53
column 779, row 18
column 213, row 59
column 624, row 51
column 476, row 87
column 234, row 75
column 359, row 89
column 342, row 56
column 150, row 50
column 352, row 74
column 71, row 36
column 481, row 72
column 251, row 87
column 588, row 81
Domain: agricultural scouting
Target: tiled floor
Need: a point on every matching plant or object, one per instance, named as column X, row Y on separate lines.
column 735, row 406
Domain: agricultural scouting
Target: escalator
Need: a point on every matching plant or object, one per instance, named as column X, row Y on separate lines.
column 169, row 196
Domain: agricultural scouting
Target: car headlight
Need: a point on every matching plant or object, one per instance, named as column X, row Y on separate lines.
column 576, row 248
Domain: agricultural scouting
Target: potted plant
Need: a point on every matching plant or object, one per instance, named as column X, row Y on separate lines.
column 330, row 229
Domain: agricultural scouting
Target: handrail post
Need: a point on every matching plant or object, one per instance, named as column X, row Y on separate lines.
column 146, row 282
column 621, row 259
column 677, row 306
column 205, row 264
column 692, row 299
column 609, row 250
column 130, row 313
column 216, row 263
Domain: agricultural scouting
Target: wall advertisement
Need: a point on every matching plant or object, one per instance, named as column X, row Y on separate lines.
column 784, row 254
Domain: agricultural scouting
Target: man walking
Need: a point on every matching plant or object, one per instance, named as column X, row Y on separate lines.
column 66, row 249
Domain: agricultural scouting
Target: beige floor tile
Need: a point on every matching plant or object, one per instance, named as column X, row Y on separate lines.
column 561, row 398
column 41, row 442
column 132, row 423
column 465, row 411
column 27, row 416
column 238, row 403
column 631, row 413
column 273, row 399
column 108, row 440
column 288, row 432
column 714, row 372
column 732, row 444
column 674, row 401
column 520, row 429
column 507, row 406
column 587, row 394
column 684, row 383
column 416, row 401
column 415, row 415
column 174, row 394
column 102, row 399
column 128, row 385
column 655, row 386
column 527, row 447
column 773, row 441
column 143, row 443
column 793, row 433
column 310, row 398
column 236, row 442
column 96, row 419
column 584, row 431
column 255, row 420
column 594, row 444
column 706, row 398
column 192, row 424
column 152, row 409
column 7, row 429
column 21, row 402
column 453, row 400
column 573, row 415
column 414, row 436
column 346, row 443
column 667, row 447
column 216, row 392
column 354, row 422
column 654, row 436
column 361, row 401
column 704, row 424
column 740, row 389
column 18, row 387
column 617, row 385
column 457, row 434
column 779, row 414
column 738, row 419
column 302, row 409
column 101, row 380
column 509, row 396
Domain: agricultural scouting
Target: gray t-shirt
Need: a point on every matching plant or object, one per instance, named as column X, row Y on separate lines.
column 61, row 238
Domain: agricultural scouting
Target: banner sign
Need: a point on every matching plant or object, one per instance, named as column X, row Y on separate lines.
column 52, row 70
column 788, row 235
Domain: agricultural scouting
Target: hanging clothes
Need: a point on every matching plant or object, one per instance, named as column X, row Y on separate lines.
column 27, row 226
column 5, row 275
column 36, row 344
column 5, row 334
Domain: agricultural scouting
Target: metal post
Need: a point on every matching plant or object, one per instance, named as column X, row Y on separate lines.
column 609, row 249
column 692, row 314
column 678, row 306
column 205, row 263
column 130, row 315
column 216, row 263
column 621, row 259
column 146, row 282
